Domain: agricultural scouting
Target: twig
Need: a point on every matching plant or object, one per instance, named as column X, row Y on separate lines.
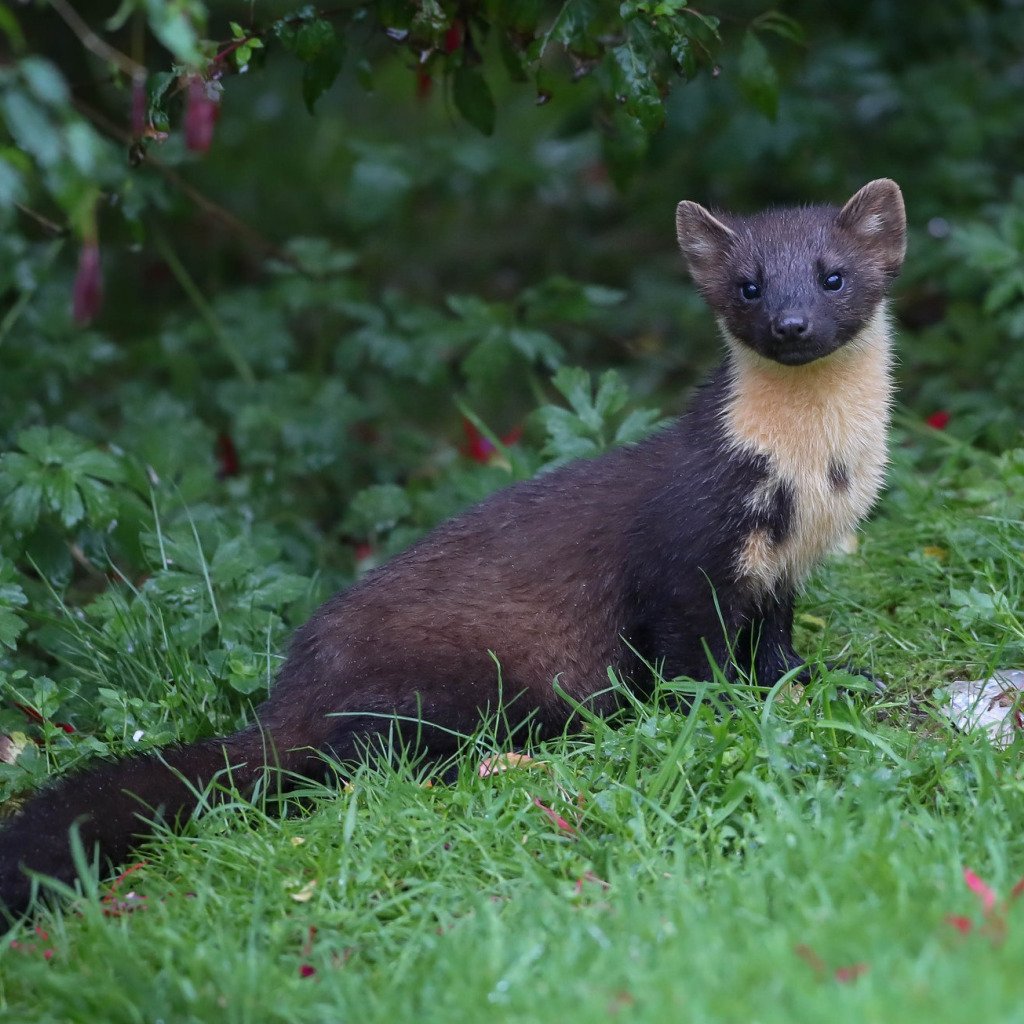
column 51, row 227
column 213, row 210
column 95, row 44
column 204, row 308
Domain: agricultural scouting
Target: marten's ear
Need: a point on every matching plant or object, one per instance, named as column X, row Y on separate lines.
column 875, row 215
column 703, row 239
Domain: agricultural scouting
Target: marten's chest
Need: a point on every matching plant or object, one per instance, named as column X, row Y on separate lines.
column 822, row 428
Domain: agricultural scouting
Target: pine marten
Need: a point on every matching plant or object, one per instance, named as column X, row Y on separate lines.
column 680, row 551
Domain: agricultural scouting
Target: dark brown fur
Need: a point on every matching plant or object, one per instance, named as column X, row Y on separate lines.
column 661, row 553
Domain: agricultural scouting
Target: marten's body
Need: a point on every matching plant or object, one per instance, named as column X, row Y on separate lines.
column 692, row 543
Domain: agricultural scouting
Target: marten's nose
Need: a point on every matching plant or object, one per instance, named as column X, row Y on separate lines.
column 788, row 328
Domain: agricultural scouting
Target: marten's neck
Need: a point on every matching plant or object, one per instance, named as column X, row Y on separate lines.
column 823, row 428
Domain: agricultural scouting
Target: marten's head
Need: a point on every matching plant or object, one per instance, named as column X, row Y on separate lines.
column 797, row 284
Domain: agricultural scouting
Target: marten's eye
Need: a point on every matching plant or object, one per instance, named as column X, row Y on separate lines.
column 832, row 283
column 750, row 291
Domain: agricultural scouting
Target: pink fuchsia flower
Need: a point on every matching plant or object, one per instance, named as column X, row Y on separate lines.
column 227, row 456
column 87, row 296
column 203, row 112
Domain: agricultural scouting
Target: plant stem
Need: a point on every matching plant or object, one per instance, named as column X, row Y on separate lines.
column 204, row 308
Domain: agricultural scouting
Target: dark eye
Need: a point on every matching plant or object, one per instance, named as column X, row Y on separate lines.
column 832, row 283
column 750, row 291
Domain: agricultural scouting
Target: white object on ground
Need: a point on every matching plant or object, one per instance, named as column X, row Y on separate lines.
column 995, row 704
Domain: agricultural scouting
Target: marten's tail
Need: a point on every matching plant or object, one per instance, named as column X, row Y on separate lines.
column 115, row 805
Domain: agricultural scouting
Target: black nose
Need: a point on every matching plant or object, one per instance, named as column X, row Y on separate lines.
column 788, row 328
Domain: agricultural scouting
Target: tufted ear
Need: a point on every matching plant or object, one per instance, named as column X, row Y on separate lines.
column 703, row 239
column 875, row 215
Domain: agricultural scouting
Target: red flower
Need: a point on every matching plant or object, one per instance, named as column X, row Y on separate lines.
column 556, row 819
column 34, row 716
column 976, row 885
column 138, row 105
column 479, row 448
column 29, row 948
column 960, row 923
column 938, row 420
column 116, row 905
column 87, row 296
column 453, row 37
column 227, row 456
column 203, row 111
column 820, row 968
column 851, row 973
column 993, row 911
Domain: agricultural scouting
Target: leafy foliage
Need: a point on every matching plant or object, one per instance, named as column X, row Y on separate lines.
column 588, row 426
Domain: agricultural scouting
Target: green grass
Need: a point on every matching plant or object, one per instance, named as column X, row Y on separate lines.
column 790, row 861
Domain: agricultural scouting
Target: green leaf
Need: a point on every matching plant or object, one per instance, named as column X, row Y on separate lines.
column 231, row 561
column 22, row 506
column 632, row 74
column 781, row 25
column 12, row 184
column 278, row 590
column 574, row 384
column 601, row 295
column 49, row 446
column 317, row 45
column 377, row 509
column 101, row 508
column 99, row 464
column 318, row 76
column 30, row 127
column 636, row 426
column 611, row 394
column 86, row 148
column 45, row 81
column 11, row 595
column 314, row 39
column 320, row 256
column 474, row 308
column 758, row 81
column 535, row 345
column 473, row 99
column 65, row 499
column 11, row 627
column 178, row 28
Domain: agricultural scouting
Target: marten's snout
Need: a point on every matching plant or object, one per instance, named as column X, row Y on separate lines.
column 789, row 327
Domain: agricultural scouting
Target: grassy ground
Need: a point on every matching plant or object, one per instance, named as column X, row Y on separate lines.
column 798, row 860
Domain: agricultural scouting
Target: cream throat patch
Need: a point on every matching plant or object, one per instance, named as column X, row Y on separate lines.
column 823, row 428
